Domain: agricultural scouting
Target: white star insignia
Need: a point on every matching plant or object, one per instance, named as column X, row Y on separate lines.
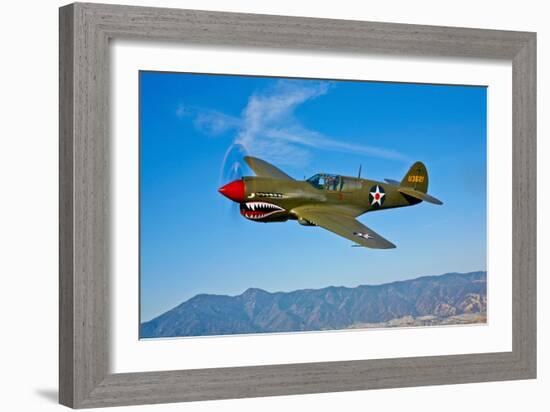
column 377, row 196
column 363, row 235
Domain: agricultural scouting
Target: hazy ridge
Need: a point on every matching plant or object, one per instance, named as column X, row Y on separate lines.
column 431, row 300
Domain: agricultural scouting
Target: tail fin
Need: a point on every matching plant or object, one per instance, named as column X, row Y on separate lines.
column 416, row 178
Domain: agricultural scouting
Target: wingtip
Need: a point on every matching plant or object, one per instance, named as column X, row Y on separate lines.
column 387, row 245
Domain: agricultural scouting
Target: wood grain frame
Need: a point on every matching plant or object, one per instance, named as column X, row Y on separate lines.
column 85, row 31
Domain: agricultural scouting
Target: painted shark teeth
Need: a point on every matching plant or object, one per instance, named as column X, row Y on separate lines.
column 259, row 210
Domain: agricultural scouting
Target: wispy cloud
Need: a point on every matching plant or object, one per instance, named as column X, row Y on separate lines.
column 268, row 128
column 209, row 121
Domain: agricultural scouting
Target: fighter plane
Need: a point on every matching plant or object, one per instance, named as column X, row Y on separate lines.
column 330, row 201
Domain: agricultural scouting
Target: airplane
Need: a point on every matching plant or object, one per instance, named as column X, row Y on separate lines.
column 330, row 201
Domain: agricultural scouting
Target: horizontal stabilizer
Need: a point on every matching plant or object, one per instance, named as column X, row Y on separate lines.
column 419, row 195
column 392, row 182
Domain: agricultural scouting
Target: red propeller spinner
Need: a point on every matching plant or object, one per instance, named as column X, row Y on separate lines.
column 233, row 190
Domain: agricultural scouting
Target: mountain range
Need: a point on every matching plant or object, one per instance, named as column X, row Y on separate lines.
column 449, row 298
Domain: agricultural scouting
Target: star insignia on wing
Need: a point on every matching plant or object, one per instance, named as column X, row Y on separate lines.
column 363, row 235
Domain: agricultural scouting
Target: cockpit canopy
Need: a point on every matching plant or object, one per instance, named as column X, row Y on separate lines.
column 334, row 183
column 325, row 181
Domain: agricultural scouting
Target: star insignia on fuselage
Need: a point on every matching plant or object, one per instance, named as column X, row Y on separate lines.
column 376, row 195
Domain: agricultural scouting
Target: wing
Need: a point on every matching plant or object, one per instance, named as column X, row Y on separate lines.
column 343, row 225
column 262, row 168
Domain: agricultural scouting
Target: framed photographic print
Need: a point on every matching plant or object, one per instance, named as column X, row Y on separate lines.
column 258, row 205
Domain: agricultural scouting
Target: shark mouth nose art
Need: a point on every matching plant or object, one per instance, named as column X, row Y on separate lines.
column 259, row 210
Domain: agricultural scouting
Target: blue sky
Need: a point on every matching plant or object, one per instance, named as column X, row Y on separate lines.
column 193, row 127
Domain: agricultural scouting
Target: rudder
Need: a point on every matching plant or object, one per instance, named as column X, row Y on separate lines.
column 416, row 178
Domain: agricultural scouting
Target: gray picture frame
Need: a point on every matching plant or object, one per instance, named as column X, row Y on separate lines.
column 85, row 32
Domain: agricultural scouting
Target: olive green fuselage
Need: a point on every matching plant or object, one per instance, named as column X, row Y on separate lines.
column 354, row 196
